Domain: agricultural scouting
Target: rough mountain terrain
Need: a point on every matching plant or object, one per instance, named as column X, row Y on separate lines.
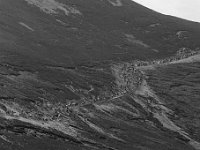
column 97, row 74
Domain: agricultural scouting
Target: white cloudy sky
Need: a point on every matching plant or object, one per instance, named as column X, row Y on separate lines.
column 188, row 9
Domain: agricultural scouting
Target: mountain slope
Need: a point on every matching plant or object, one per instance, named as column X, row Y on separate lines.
column 96, row 74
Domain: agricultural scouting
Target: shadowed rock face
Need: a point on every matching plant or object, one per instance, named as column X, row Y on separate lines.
column 97, row 74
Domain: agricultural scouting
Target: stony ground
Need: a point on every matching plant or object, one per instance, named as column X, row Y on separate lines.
column 97, row 74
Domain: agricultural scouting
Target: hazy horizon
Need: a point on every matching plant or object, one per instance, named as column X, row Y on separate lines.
column 180, row 8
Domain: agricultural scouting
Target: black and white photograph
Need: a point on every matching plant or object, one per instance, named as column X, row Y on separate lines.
column 99, row 74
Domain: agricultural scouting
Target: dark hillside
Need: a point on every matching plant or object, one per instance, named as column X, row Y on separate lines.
column 74, row 74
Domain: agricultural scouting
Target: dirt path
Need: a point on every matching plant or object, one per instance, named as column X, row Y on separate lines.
column 128, row 74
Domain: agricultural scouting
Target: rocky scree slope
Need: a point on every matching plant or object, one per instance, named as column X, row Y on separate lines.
column 80, row 74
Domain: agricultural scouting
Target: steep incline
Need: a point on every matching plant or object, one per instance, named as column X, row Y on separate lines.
column 84, row 74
